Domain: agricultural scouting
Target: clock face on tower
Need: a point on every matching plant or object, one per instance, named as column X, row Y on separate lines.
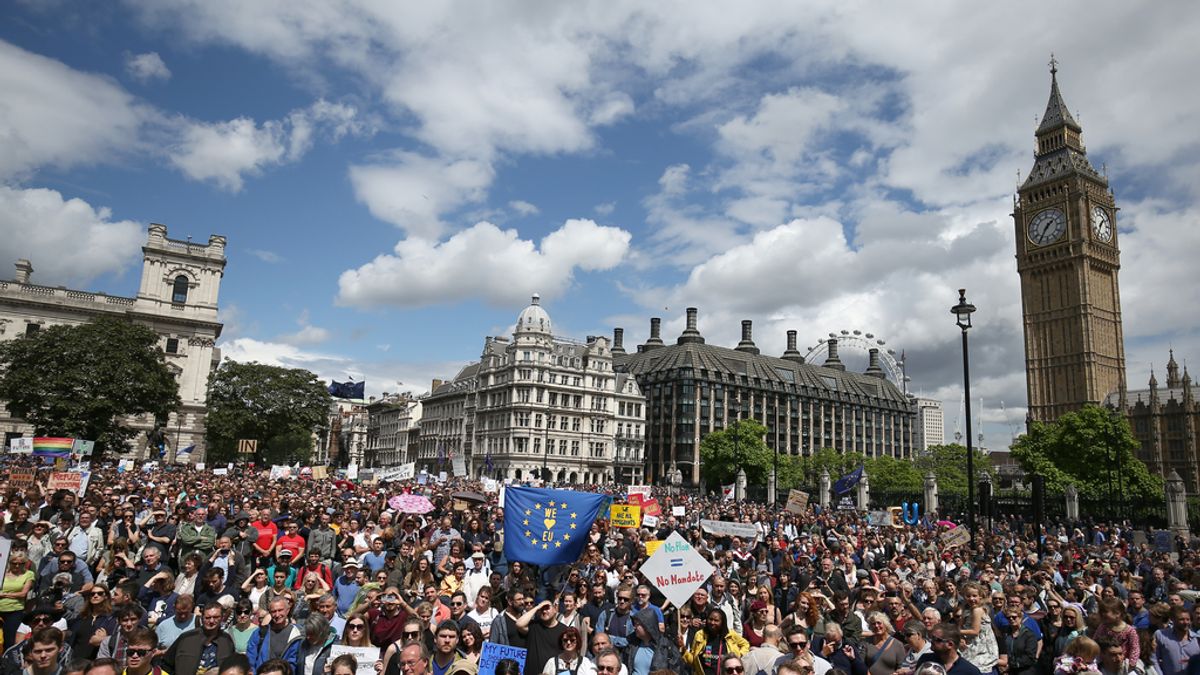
column 1101, row 223
column 1047, row 226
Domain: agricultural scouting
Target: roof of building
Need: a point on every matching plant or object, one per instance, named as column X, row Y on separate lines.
column 534, row 319
column 767, row 369
column 1057, row 112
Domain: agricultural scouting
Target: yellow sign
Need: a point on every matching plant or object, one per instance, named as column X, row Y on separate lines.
column 626, row 515
column 247, row 446
column 652, row 546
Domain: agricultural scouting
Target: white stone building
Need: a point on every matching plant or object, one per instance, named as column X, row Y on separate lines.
column 931, row 424
column 177, row 298
column 538, row 401
column 389, row 419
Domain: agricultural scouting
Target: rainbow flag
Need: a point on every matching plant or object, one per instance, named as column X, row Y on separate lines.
column 52, row 447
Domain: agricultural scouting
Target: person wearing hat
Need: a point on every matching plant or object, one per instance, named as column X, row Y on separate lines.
column 345, row 588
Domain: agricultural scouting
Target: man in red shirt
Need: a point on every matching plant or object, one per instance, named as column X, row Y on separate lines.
column 291, row 540
column 264, row 546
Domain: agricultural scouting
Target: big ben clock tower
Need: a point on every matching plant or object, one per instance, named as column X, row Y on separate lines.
column 1068, row 259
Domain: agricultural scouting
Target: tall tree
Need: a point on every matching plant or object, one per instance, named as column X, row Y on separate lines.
column 738, row 446
column 949, row 464
column 1092, row 448
column 86, row 381
column 281, row 408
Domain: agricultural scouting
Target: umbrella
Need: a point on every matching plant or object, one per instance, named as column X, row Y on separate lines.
column 410, row 503
column 470, row 497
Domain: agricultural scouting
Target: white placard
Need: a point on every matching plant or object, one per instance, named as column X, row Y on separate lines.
column 5, row 547
column 649, row 521
column 364, row 656
column 723, row 528
column 500, row 501
column 639, row 490
column 352, row 472
column 676, row 569
column 459, row 465
column 678, row 511
column 441, row 477
column 489, row 485
column 407, row 471
column 222, row 471
column 200, row 466
column 21, row 446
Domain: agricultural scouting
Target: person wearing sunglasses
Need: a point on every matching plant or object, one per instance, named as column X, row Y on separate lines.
column 944, row 639
column 140, row 653
column 244, row 623
column 200, row 648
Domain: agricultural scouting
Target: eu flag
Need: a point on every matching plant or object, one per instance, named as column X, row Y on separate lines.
column 848, row 481
column 547, row 527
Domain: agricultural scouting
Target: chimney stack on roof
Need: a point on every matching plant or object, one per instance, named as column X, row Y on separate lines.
column 873, row 368
column 832, row 361
column 691, row 334
column 655, row 335
column 747, row 343
column 618, row 346
column 792, row 354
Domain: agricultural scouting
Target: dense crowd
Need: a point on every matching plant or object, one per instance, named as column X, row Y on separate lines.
column 177, row 571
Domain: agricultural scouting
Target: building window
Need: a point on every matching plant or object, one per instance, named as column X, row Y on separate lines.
column 31, row 328
column 179, row 290
column 172, row 345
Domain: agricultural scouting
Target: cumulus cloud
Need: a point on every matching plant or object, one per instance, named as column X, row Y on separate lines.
column 146, row 67
column 227, row 151
column 483, row 262
column 68, row 241
column 412, row 191
column 53, row 115
column 523, row 208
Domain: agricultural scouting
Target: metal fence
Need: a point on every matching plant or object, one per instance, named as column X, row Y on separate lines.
column 1020, row 505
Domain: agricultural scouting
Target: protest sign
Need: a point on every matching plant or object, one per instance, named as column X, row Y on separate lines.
column 626, row 515
column 407, row 471
column 493, row 653
column 490, row 486
column 22, row 477
column 722, row 528
column 1164, row 542
column 21, row 446
column 676, row 569
column 222, row 471
column 352, row 472
column 652, row 546
column 320, row 472
column 442, row 477
column 956, row 537
column 74, row 481
column 280, row 472
column 364, row 656
column 459, row 465
column 83, row 448
column 649, row 521
column 678, row 511
column 643, row 490
column 5, row 548
column 797, row 501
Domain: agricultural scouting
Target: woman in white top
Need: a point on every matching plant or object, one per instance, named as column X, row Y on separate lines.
column 569, row 661
column 483, row 613
column 185, row 583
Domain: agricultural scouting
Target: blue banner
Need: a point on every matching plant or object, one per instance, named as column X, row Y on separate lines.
column 845, row 483
column 547, row 527
column 354, row 390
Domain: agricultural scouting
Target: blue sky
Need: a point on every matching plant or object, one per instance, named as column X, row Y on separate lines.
column 395, row 180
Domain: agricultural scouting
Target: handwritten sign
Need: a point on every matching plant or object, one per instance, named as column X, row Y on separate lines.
column 407, row 471
column 22, row 477
column 956, row 537
column 721, row 528
column 626, row 515
column 221, row 471
column 495, row 653
column 797, row 502
column 678, row 511
column 365, row 657
column 65, row 480
column 649, row 521
column 21, row 446
column 459, row 465
column 677, row 569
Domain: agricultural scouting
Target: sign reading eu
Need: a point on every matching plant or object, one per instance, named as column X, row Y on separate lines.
column 547, row 527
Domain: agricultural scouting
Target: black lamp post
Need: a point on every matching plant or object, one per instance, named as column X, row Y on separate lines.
column 963, row 311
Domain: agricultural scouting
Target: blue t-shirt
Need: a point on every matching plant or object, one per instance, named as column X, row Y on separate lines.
column 345, row 592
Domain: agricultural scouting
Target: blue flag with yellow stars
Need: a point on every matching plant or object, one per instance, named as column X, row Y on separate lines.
column 547, row 527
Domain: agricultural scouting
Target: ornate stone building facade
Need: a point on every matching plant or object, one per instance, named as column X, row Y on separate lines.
column 537, row 401
column 388, row 421
column 1166, row 422
column 693, row 388
column 177, row 298
column 1068, row 257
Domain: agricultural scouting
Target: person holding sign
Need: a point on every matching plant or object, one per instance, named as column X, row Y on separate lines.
column 713, row 643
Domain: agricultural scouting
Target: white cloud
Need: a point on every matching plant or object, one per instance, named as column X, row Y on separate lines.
column 225, row 152
column 412, row 191
column 266, row 256
column 146, row 67
column 68, row 240
column 52, row 115
column 605, row 208
column 523, row 207
column 307, row 335
column 485, row 262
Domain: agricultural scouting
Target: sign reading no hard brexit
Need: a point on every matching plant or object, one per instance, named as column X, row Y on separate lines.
column 676, row 569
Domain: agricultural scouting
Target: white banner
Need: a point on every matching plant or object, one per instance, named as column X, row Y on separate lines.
column 723, row 528
column 407, row 471
column 365, row 657
column 459, row 465
column 21, row 446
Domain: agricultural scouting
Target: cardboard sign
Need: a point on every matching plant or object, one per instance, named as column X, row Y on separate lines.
column 721, row 528
column 797, row 502
column 652, row 546
column 64, row 480
column 677, row 569
column 956, row 537
column 649, row 521
column 320, row 472
column 365, row 657
column 492, row 654
column 678, row 511
column 21, row 446
column 626, row 515
column 21, row 477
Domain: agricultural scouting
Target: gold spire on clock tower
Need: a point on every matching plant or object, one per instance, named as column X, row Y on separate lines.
column 1068, row 259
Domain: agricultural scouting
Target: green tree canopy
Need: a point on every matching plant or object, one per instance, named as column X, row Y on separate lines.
column 85, row 381
column 949, row 464
column 741, row 446
column 1086, row 448
column 281, row 408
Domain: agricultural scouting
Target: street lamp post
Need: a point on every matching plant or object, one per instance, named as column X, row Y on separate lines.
column 962, row 312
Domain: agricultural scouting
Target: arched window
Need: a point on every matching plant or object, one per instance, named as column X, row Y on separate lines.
column 179, row 290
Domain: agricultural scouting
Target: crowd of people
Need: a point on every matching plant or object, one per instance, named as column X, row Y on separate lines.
column 178, row 571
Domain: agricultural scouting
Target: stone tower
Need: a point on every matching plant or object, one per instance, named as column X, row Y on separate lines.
column 1068, row 257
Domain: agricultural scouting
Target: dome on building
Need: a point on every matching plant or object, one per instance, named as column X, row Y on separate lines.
column 534, row 319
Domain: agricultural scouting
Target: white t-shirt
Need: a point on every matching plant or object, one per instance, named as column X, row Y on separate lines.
column 484, row 620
